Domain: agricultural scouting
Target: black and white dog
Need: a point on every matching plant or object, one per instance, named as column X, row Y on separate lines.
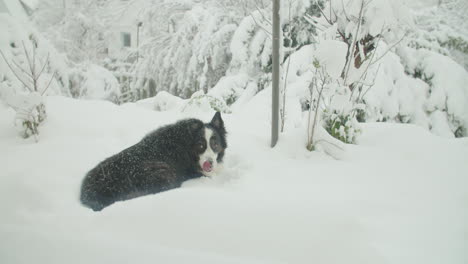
column 161, row 161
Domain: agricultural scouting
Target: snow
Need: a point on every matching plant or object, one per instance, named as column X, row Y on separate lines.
column 332, row 56
column 96, row 82
column 447, row 79
column 399, row 196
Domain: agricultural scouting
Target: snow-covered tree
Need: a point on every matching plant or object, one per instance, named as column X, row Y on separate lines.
column 29, row 68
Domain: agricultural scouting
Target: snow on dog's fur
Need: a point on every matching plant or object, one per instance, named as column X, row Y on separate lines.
column 161, row 161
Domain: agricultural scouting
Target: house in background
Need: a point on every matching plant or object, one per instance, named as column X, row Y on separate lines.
column 124, row 33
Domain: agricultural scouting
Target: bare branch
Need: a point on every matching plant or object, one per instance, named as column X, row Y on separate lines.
column 50, row 81
column 344, row 11
column 263, row 16
column 354, row 38
column 313, row 21
column 21, row 68
column 33, row 72
column 17, row 77
column 284, row 95
column 43, row 67
column 27, row 57
column 324, row 16
column 373, row 82
column 373, row 53
column 391, row 47
column 261, row 26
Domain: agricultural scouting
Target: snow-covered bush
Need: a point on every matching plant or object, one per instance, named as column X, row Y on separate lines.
column 342, row 127
column 204, row 102
column 29, row 68
column 331, row 104
column 165, row 101
column 30, row 113
column 91, row 81
column 230, row 88
column 447, row 90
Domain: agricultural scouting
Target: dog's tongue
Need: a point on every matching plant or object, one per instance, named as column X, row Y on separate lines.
column 207, row 166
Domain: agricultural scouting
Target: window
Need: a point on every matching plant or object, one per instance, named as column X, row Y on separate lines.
column 126, row 39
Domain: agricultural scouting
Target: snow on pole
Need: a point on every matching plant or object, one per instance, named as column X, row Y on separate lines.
column 276, row 73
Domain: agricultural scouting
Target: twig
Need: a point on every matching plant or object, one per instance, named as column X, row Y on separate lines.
column 284, row 95
column 311, row 90
column 27, row 57
column 324, row 16
column 43, row 67
column 21, row 68
column 391, row 47
column 354, row 38
column 50, row 81
column 344, row 11
column 263, row 16
column 261, row 26
column 11, row 68
column 373, row 83
column 373, row 53
column 323, row 79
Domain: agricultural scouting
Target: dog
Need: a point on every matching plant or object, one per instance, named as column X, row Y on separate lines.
column 161, row 161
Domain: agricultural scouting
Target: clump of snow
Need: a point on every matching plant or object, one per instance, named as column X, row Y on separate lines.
column 30, row 112
column 230, row 88
column 331, row 55
column 395, row 96
column 91, row 81
column 201, row 102
column 164, row 101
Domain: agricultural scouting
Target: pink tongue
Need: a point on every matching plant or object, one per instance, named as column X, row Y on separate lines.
column 207, row 166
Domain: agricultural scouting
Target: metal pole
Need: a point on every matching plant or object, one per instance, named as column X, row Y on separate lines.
column 276, row 73
column 138, row 40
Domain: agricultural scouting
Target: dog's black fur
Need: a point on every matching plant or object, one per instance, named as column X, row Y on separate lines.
column 161, row 161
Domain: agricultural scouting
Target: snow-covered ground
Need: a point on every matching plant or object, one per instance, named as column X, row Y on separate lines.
column 399, row 196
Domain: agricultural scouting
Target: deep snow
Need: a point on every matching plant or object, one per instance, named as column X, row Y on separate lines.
column 399, row 196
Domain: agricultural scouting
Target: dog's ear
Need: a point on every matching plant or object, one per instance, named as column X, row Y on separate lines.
column 217, row 121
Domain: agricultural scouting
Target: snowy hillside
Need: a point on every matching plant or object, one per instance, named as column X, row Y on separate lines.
column 399, row 196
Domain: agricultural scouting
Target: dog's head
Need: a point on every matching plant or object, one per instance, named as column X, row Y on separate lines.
column 210, row 145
